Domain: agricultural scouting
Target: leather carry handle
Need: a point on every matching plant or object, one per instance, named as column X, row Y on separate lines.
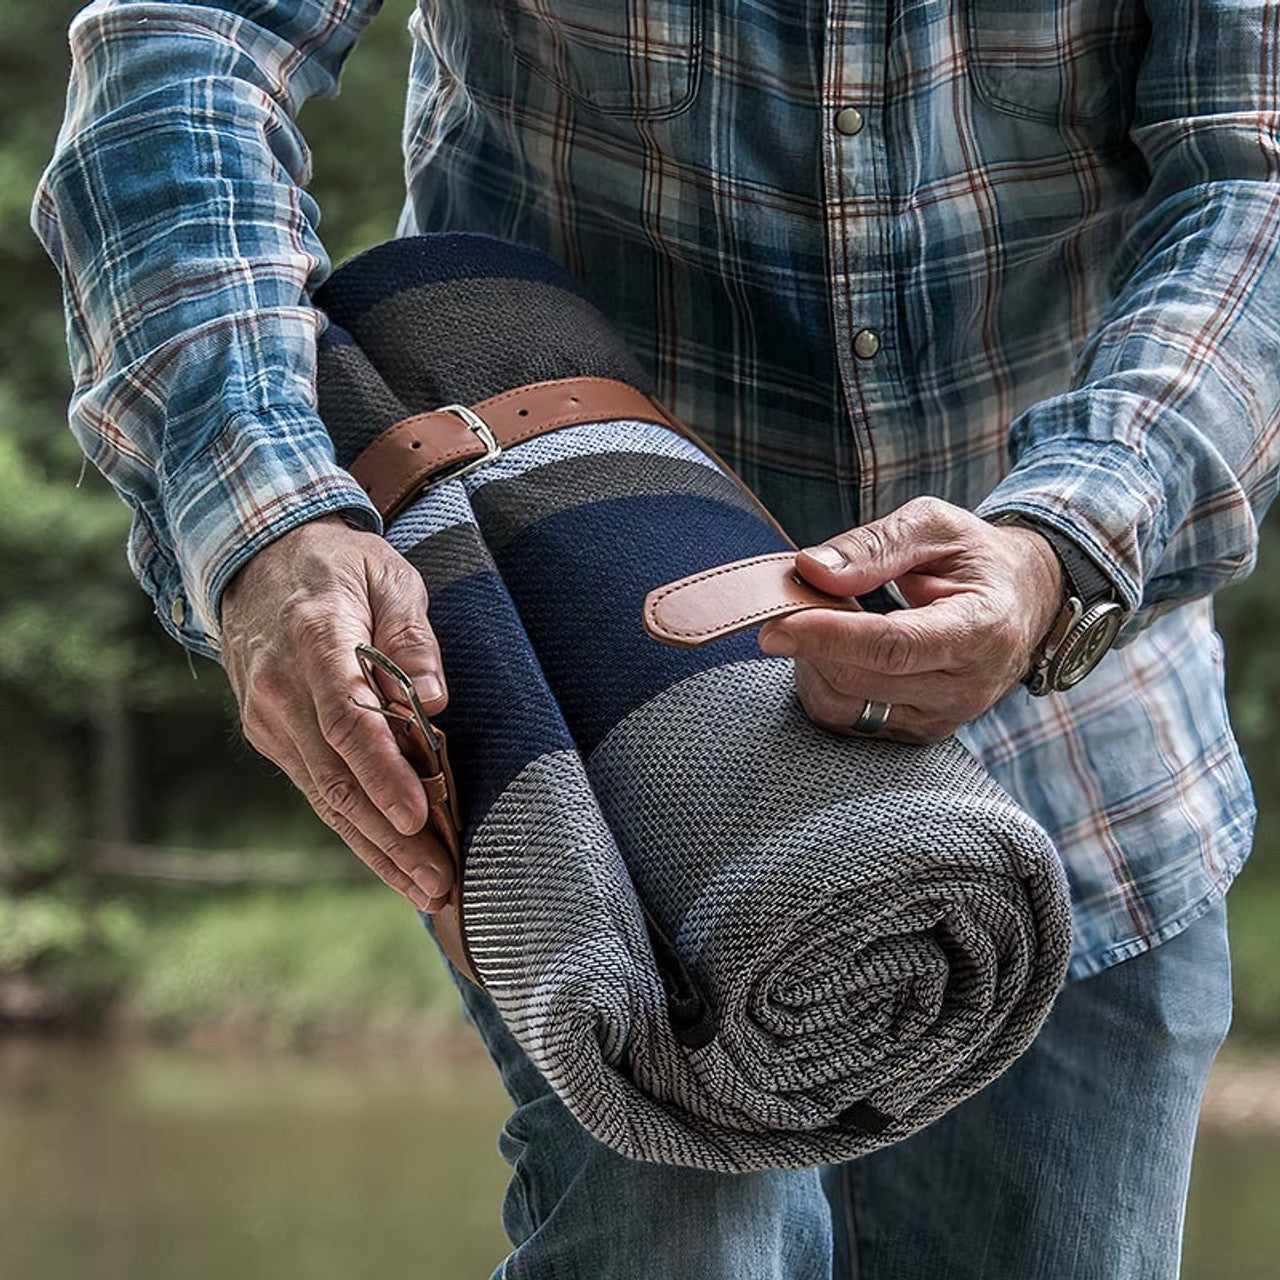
column 732, row 597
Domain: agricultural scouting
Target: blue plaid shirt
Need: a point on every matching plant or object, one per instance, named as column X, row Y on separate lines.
column 1021, row 254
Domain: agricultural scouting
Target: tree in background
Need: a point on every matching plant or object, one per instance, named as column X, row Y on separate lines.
column 98, row 707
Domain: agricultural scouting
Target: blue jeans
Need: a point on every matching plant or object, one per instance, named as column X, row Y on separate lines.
column 1073, row 1165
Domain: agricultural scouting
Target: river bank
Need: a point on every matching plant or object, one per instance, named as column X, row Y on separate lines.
column 128, row 1160
column 310, row 966
column 1244, row 1091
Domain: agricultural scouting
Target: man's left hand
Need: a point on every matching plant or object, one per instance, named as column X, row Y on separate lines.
column 983, row 597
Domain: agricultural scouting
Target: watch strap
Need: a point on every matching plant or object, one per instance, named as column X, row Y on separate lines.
column 1088, row 583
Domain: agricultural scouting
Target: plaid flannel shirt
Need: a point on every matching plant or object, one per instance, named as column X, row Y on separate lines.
column 1020, row 254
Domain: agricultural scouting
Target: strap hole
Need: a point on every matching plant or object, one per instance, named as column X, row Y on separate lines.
column 524, row 413
column 573, row 399
column 417, row 444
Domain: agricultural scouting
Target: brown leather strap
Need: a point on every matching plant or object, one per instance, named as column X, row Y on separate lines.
column 424, row 745
column 430, row 447
column 431, row 762
column 732, row 597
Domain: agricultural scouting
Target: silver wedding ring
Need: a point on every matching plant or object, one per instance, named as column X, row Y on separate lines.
column 874, row 717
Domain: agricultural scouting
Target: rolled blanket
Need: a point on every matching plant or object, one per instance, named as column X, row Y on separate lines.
column 728, row 938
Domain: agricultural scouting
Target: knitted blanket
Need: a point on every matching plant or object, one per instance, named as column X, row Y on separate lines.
column 728, row 938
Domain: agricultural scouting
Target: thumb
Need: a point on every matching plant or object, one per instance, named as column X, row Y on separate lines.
column 860, row 560
column 398, row 600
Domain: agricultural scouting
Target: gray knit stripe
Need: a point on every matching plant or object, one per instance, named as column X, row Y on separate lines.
column 883, row 925
column 508, row 507
column 490, row 336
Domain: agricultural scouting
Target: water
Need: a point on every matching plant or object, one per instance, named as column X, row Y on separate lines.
column 142, row 1163
column 147, row 1164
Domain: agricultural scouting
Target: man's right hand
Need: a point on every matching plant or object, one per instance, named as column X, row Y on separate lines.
column 291, row 619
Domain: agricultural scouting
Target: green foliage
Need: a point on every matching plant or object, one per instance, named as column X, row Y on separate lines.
column 75, row 947
column 1249, row 619
column 1253, row 909
column 291, row 967
column 77, row 635
column 285, row 967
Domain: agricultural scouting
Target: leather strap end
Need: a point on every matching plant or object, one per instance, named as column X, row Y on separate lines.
column 727, row 598
column 449, row 932
column 431, row 763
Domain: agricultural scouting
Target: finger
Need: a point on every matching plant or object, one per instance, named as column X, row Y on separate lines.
column 376, row 858
column 420, row 856
column 830, row 709
column 859, row 560
column 945, row 696
column 398, row 599
column 904, row 643
column 360, row 736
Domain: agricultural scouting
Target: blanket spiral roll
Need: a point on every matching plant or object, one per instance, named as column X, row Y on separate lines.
column 728, row 938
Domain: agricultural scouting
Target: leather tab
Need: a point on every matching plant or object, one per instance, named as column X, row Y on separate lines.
column 732, row 597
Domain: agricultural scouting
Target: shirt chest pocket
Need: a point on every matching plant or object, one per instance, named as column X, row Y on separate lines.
column 1070, row 63
column 640, row 59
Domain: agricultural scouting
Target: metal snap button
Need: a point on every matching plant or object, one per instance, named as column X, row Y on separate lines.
column 849, row 121
column 866, row 344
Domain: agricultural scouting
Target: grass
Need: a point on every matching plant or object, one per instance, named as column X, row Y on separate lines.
column 291, row 966
column 282, row 967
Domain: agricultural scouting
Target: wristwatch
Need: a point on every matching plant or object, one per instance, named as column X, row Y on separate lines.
column 1087, row 623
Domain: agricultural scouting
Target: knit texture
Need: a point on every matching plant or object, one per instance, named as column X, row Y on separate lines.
column 728, row 938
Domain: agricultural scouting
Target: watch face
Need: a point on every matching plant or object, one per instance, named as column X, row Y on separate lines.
column 1087, row 644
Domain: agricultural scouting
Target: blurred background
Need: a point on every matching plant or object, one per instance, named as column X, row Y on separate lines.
column 223, row 1046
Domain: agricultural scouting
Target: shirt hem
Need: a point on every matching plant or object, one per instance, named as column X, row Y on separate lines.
column 1093, row 963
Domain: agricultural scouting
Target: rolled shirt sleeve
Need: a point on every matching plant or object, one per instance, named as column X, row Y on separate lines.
column 174, row 207
column 1161, row 459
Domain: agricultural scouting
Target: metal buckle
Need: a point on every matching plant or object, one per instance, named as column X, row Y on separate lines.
column 414, row 712
column 475, row 423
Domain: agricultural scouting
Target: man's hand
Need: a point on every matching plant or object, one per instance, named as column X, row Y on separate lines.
column 983, row 598
column 291, row 619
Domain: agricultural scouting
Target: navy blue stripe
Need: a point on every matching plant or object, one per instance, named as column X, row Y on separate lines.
column 500, row 714
column 579, row 578
column 399, row 265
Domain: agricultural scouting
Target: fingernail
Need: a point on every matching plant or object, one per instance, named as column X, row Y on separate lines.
column 419, row 899
column 429, row 880
column 430, row 688
column 827, row 556
column 778, row 641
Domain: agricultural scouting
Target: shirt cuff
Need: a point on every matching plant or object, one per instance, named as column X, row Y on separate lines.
column 1101, row 495
column 264, row 473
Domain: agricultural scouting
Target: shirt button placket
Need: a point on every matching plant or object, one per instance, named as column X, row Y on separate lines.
column 866, row 342
column 855, row 182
